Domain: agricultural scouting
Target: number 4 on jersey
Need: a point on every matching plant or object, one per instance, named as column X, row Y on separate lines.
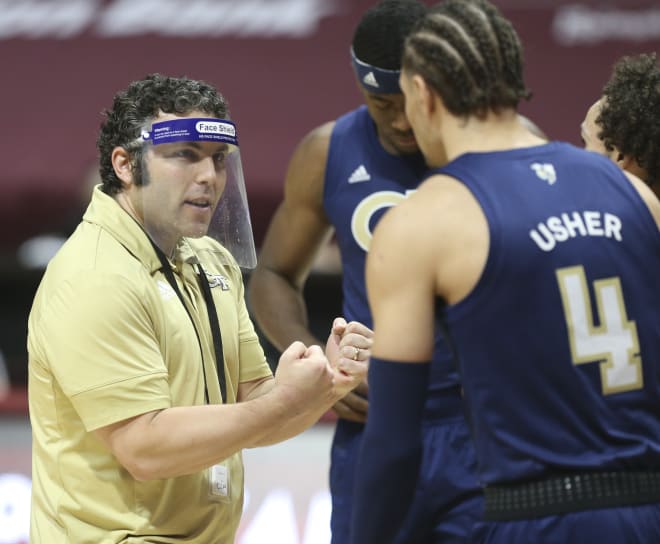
column 614, row 342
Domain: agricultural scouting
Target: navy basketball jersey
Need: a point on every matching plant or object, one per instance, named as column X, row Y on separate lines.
column 559, row 342
column 362, row 181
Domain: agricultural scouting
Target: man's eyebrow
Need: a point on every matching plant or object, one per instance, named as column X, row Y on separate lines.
column 222, row 146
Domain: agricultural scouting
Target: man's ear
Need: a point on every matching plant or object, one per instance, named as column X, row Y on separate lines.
column 622, row 160
column 123, row 166
column 630, row 164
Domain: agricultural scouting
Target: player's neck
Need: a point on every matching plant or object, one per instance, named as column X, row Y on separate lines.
column 495, row 132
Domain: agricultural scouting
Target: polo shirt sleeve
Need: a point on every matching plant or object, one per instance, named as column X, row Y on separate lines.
column 102, row 349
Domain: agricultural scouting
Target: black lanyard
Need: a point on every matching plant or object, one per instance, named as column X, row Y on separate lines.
column 215, row 330
column 213, row 319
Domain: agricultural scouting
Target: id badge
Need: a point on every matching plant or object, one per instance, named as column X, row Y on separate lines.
column 219, row 483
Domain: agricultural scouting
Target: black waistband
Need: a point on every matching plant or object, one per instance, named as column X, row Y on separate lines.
column 571, row 492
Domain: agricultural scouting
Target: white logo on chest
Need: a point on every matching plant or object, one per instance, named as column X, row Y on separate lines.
column 165, row 290
column 217, row 280
column 365, row 210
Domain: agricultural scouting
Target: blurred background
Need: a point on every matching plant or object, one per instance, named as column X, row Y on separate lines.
column 284, row 67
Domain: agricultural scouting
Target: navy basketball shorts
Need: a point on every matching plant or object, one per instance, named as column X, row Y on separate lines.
column 448, row 500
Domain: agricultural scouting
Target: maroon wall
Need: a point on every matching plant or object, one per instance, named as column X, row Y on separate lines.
column 282, row 64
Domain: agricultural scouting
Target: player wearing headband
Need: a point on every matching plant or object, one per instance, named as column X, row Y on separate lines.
column 146, row 378
column 341, row 179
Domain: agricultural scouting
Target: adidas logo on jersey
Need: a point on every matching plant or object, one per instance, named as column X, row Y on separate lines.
column 359, row 174
column 545, row 171
column 370, row 79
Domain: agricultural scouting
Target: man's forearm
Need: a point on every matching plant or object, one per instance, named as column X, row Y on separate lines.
column 182, row 440
column 293, row 426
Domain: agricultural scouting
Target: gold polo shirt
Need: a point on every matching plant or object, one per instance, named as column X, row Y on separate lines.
column 109, row 339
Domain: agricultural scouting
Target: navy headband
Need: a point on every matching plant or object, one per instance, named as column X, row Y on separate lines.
column 374, row 79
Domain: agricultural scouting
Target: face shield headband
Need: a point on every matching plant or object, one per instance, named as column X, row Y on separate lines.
column 374, row 79
column 229, row 223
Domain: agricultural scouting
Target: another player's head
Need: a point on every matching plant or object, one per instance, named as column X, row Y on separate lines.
column 467, row 54
column 623, row 123
column 376, row 52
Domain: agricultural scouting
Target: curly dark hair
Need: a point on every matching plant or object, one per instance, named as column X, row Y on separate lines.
column 142, row 101
column 379, row 36
column 629, row 118
column 470, row 54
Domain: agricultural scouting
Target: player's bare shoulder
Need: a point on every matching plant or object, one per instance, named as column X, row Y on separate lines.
column 313, row 148
column 445, row 202
column 305, row 173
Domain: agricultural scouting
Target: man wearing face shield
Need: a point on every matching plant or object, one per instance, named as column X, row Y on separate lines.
column 146, row 378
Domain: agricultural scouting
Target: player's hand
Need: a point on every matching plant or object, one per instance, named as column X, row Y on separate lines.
column 354, row 405
column 347, row 344
column 348, row 349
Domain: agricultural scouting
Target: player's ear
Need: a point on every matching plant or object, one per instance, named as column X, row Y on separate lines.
column 622, row 160
column 424, row 94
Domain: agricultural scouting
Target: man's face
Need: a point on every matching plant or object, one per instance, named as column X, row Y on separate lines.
column 589, row 130
column 394, row 130
column 182, row 185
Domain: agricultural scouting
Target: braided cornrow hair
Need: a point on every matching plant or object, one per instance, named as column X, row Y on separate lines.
column 470, row 55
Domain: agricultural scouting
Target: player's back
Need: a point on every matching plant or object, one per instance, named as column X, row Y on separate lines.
column 559, row 342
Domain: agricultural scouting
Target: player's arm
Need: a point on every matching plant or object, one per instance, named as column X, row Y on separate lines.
column 297, row 232
column 400, row 290
column 414, row 256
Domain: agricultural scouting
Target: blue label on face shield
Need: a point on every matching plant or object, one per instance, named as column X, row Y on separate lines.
column 192, row 129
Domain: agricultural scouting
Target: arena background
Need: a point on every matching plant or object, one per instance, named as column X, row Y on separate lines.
column 283, row 66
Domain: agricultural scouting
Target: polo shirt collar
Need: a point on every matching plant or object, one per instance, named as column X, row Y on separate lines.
column 106, row 212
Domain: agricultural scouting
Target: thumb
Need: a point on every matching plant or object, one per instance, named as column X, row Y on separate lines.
column 313, row 350
column 295, row 351
column 339, row 325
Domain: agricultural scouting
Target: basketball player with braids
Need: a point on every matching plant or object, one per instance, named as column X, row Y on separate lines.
column 341, row 178
column 542, row 260
column 623, row 123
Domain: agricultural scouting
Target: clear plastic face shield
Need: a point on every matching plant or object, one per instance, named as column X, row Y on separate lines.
column 193, row 186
